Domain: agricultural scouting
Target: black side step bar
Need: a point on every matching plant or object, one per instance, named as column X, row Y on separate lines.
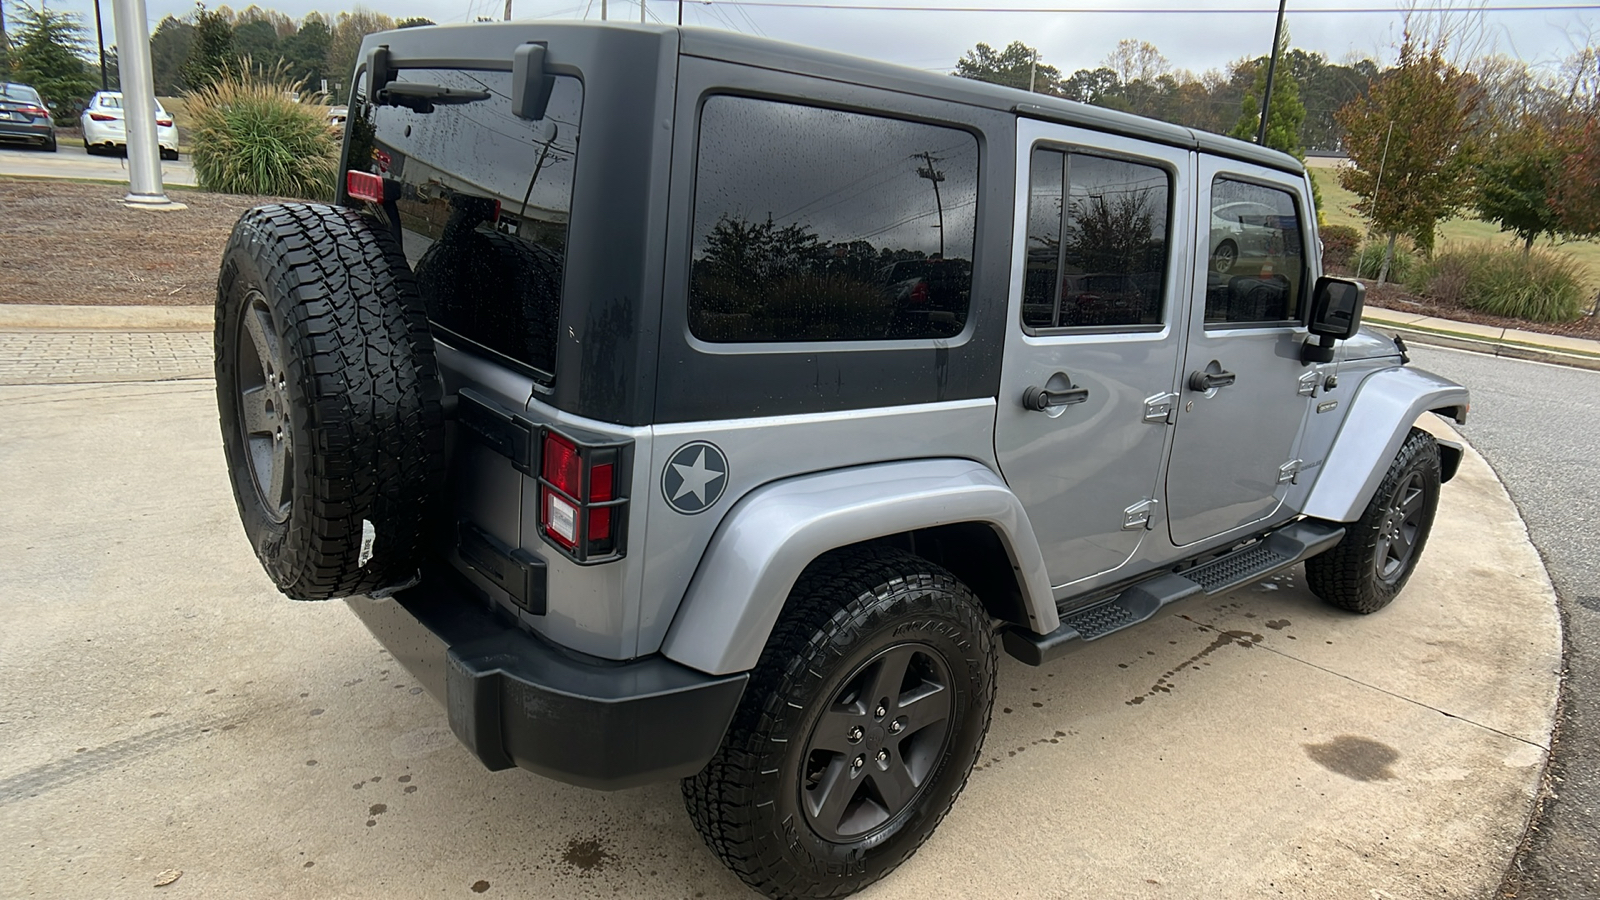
column 1140, row 603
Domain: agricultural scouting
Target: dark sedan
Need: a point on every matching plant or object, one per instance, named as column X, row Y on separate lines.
column 25, row 117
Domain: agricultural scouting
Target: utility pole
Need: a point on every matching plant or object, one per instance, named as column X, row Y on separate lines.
column 602, row 10
column 934, row 175
column 1272, row 67
column 680, row 13
column 1033, row 69
column 100, row 36
column 508, row 10
column 641, row 12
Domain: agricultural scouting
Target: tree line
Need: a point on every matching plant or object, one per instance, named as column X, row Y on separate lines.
column 1429, row 137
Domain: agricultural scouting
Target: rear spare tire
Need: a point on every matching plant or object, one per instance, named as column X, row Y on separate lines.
column 329, row 399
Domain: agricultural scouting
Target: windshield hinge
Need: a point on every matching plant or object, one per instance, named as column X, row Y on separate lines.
column 1309, row 381
column 1289, row 472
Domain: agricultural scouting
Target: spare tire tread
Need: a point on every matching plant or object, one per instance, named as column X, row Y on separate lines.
column 365, row 396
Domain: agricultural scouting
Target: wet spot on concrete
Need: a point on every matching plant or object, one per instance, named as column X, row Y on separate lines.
column 308, row 864
column 1122, row 665
column 304, row 694
column 1164, row 684
column 371, row 822
column 229, row 727
column 80, row 749
column 358, row 786
column 1249, row 615
column 318, row 711
column 1278, row 624
column 1590, row 603
column 378, row 809
column 1038, row 705
column 403, row 779
column 1362, row 759
column 479, row 887
column 411, row 789
column 212, row 691
column 1006, row 710
column 157, row 715
column 585, row 855
column 375, row 779
column 416, row 690
column 1061, row 734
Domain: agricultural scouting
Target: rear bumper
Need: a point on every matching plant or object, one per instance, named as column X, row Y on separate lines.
column 515, row 700
column 17, row 131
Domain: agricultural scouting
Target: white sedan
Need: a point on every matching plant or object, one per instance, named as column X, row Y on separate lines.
column 105, row 132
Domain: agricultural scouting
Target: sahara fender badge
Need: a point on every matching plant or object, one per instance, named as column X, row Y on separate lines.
column 694, row 477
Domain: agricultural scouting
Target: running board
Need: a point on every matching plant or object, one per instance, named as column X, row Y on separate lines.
column 1140, row 603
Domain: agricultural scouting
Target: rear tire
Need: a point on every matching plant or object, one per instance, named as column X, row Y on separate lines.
column 1369, row 566
column 329, row 399
column 821, row 785
column 49, row 145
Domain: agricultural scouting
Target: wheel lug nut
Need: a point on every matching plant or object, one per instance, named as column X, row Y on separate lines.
column 883, row 756
column 880, row 712
column 858, row 762
column 897, row 726
column 855, row 735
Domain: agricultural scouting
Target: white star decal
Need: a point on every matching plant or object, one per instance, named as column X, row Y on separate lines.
column 695, row 478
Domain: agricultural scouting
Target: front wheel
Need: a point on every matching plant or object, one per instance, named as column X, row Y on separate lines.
column 1369, row 566
column 858, row 730
column 1223, row 258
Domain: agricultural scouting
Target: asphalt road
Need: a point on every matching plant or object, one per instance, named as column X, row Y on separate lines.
column 70, row 161
column 1536, row 425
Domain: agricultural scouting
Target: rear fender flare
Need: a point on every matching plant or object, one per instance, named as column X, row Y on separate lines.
column 770, row 536
column 1381, row 414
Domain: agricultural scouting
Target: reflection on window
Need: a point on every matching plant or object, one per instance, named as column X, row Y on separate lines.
column 1097, row 250
column 1257, row 264
column 819, row 225
column 485, row 200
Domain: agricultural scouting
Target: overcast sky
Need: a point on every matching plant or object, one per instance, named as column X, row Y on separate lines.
column 1190, row 38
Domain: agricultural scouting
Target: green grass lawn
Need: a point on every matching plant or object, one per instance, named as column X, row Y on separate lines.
column 1337, row 210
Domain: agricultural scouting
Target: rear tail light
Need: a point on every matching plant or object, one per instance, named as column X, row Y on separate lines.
column 164, row 123
column 102, row 117
column 919, row 293
column 35, row 111
column 580, row 498
column 365, row 186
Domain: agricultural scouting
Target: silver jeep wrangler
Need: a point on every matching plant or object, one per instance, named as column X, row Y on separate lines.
column 679, row 405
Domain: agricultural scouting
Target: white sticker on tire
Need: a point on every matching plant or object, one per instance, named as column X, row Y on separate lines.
column 368, row 535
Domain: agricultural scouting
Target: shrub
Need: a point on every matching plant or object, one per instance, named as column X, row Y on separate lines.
column 1339, row 244
column 1369, row 262
column 250, row 138
column 1540, row 286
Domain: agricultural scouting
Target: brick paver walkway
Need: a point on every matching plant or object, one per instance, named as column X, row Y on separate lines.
column 79, row 357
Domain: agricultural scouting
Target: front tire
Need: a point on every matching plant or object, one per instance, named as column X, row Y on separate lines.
column 858, row 730
column 1366, row 570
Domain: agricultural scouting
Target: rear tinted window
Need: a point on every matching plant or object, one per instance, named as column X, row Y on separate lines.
column 485, row 201
column 817, row 224
column 20, row 92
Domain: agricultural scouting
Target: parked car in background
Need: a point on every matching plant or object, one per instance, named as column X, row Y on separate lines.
column 25, row 117
column 1242, row 228
column 336, row 116
column 105, row 132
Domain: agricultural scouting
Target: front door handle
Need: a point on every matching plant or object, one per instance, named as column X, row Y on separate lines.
column 1041, row 399
column 1208, row 379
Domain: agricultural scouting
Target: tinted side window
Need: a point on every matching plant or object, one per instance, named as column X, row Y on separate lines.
column 484, row 205
column 1257, row 262
column 816, row 224
column 1097, row 250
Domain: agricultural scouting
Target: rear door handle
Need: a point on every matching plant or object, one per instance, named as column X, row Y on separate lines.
column 1040, row 399
column 1205, row 381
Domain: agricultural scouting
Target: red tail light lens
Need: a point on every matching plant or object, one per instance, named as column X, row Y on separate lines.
column 364, row 186
column 562, row 470
column 601, row 488
column 164, row 123
column 35, row 111
column 919, row 293
column 102, row 117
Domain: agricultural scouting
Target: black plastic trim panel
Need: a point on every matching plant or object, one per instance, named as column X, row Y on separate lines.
column 515, row 700
column 514, row 570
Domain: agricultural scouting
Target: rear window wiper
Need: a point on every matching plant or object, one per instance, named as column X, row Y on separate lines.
column 422, row 98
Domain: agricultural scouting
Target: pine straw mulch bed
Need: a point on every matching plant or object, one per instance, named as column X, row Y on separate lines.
column 72, row 243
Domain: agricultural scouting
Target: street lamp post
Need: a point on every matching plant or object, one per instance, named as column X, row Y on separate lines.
column 1272, row 68
column 139, row 107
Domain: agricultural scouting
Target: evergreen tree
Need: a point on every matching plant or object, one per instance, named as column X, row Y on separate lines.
column 1013, row 67
column 169, row 50
column 212, row 51
column 48, row 53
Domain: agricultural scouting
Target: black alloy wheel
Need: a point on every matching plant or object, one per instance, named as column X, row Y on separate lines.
column 265, row 423
column 1402, row 522
column 882, row 734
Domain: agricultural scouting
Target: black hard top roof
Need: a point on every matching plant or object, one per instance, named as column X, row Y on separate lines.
column 781, row 56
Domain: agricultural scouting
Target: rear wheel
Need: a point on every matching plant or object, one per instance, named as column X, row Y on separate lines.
column 329, row 399
column 49, row 145
column 859, row 728
column 1370, row 565
column 1224, row 257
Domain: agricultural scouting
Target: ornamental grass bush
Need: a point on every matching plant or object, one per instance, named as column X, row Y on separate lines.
column 248, row 137
column 1369, row 262
column 1541, row 286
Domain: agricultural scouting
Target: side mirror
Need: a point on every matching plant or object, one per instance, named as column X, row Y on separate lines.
column 379, row 70
column 1336, row 306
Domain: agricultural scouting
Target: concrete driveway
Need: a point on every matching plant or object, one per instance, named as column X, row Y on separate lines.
column 162, row 708
column 70, row 161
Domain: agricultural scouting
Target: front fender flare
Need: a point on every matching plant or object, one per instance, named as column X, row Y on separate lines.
column 770, row 536
column 1381, row 414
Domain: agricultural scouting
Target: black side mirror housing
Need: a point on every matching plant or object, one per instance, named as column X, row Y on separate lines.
column 379, row 70
column 1336, row 306
column 530, row 86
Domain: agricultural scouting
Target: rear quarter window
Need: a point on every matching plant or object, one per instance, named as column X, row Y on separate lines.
column 815, row 224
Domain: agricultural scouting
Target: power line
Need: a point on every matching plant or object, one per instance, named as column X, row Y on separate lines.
column 1107, row 10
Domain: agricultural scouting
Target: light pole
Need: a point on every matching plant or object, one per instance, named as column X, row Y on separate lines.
column 1272, row 67
column 139, row 107
column 935, row 176
column 100, row 37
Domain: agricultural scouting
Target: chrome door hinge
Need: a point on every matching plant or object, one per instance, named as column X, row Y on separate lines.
column 1289, row 472
column 1162, row 409
column 1139, row 515
column 1309, row 381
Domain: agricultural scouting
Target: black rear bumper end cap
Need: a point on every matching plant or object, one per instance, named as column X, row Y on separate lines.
column 515, row 700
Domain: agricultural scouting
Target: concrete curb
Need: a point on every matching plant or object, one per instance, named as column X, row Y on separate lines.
column 50, row 317
column 1491, row 347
